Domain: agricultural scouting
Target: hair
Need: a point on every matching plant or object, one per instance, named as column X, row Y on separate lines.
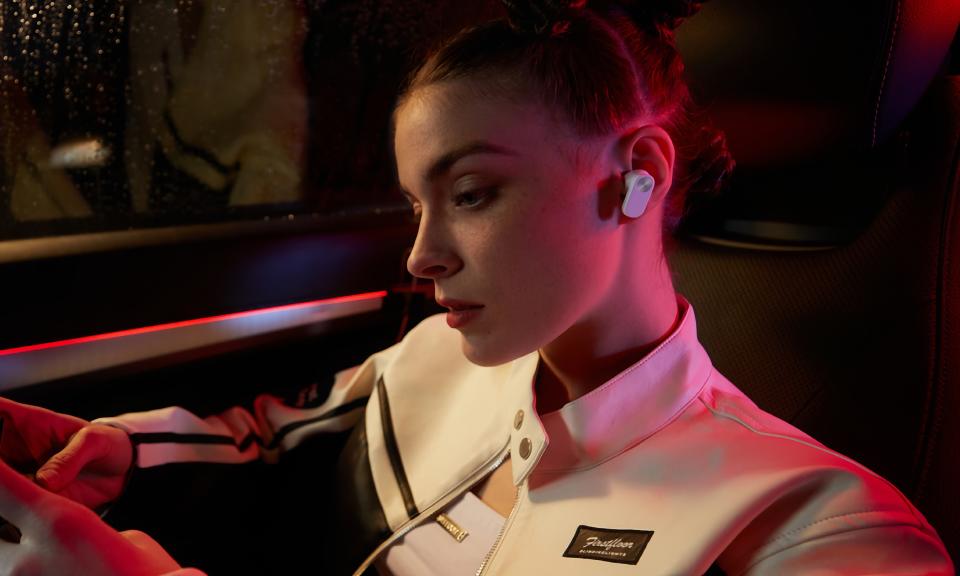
column 601, row 68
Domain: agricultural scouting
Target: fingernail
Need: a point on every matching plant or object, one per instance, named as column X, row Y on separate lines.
column 43, row 478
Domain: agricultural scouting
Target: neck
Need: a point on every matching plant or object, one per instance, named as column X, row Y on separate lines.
column 624, row 330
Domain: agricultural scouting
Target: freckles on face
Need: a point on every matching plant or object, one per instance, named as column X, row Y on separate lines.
column 531, row 246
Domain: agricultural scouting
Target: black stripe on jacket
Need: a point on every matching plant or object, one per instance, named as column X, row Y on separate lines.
column 177, row 438
column 393, row 451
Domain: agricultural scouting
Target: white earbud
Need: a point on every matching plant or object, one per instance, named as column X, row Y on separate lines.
column 639, row 185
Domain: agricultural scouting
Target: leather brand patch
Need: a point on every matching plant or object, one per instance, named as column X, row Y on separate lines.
column 609, row 545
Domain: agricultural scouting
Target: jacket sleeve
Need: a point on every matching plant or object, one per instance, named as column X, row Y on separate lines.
column 889, row 550
column 839, row 523
column 238, row 435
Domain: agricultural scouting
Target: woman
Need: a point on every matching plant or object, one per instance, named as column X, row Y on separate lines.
column 564, row 419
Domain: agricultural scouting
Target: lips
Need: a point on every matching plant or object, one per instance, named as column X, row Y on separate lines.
column 458, row 305
column 461, row 312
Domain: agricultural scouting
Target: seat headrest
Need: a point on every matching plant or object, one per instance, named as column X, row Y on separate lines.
column 807, row 92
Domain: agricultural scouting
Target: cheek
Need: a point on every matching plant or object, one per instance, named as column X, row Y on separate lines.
column 549, row 258
column 565, row 235
column 538, row 278
column 577, row 261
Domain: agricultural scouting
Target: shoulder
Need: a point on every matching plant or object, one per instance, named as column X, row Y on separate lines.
column 764, row 442
column 802, row 491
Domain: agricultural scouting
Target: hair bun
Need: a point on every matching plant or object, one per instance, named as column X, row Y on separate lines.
column 549, row 17
column 661, row 14
column 541, row 17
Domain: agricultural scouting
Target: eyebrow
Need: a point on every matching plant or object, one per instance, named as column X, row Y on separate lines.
column 443, row 164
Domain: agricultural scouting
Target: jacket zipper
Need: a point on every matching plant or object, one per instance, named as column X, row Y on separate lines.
column 503, row 529
column 485, row 469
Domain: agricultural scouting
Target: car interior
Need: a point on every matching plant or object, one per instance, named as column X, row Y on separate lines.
column 198, row 204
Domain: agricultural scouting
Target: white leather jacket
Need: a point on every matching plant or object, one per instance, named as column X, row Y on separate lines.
column 666, row 469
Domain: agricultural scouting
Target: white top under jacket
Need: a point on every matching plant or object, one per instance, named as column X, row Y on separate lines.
column 666, row 469
column 431, row 549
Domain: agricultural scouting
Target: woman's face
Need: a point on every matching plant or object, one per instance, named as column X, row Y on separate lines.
column 517, row 217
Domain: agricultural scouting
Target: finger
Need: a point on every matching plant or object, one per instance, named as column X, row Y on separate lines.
column 9, row 408
column 12, row 411
column 29, row 432
column 13, row 450
column 62, row 468
column 18, row 414
column 153, row 555
column 142, row 540
column 4, row 416
column 19, row 497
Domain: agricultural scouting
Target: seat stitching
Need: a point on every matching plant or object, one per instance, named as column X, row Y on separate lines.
column 883, row 78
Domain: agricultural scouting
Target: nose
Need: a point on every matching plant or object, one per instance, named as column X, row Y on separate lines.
column 432, row 255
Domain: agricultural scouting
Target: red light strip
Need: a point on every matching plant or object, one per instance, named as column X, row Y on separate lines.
column 183, row 323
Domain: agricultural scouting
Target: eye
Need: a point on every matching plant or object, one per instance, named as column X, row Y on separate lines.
column 472, row 198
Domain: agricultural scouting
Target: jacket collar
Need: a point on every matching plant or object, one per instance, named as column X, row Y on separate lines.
column 610, row 419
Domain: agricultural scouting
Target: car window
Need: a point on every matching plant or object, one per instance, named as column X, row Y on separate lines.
column 130, row 114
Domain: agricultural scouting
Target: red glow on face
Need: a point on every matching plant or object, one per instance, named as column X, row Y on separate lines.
column 194, row 322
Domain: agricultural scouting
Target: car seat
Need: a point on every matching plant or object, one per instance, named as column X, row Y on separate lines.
column 826, row 277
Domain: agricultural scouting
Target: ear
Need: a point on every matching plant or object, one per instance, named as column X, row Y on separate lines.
column 649, row 148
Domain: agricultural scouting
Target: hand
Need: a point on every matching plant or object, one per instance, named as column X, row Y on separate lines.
column 85, row 462
column 59, row 536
